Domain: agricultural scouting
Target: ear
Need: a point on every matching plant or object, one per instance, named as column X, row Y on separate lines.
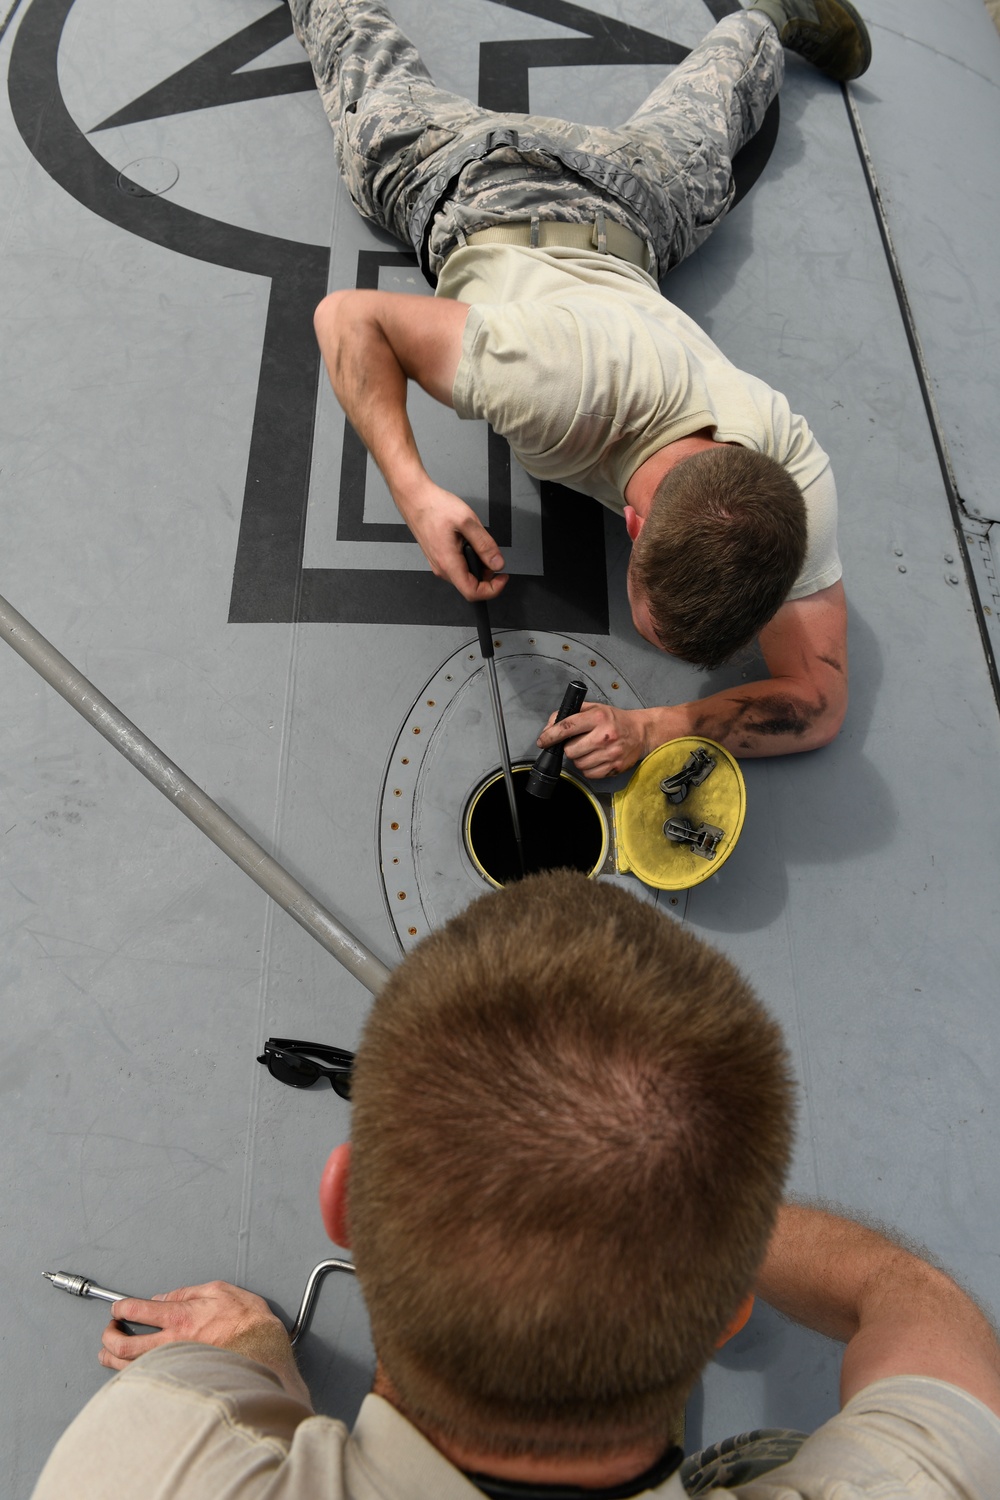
column 633, row 522
column 333, row 1195
column 739, row 1320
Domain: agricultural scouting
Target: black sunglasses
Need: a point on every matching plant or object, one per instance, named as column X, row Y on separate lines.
column 286, row 1061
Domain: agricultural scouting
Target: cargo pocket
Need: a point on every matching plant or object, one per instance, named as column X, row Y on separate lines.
column 387, row 140
column 692, row 183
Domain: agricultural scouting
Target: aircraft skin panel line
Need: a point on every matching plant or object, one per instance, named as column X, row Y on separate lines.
column 188, row 517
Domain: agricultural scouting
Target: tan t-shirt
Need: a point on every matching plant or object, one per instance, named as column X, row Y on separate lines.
column 189, row 1422
column 587, row 370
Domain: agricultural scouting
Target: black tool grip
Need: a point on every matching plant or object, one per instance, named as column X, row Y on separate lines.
column 479, row 609
column 571, row 700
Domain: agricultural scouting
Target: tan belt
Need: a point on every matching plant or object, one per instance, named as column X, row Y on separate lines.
column 618, row 240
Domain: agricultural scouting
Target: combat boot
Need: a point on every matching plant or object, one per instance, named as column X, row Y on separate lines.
column 828, row 33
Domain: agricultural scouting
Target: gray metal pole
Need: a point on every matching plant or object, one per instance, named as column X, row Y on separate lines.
column 189, row 797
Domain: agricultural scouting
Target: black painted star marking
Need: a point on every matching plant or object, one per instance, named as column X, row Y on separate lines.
column 214, row 79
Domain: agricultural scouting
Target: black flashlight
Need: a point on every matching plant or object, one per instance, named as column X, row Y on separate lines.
column 544, row 775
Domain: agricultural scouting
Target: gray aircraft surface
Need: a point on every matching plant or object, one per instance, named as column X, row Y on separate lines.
column 188, row 520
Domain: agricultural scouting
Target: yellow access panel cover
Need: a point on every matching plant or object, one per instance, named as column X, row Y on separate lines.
column 695, row 788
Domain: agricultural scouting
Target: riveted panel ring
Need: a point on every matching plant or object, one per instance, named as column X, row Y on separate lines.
column 446, row 751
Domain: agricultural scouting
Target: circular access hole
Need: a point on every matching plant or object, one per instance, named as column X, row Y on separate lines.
column 566, row 832
column 148, row 177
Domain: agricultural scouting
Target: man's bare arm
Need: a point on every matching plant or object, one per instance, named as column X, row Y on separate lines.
column 897, row 1314
column 801, row 706
column 373, row 343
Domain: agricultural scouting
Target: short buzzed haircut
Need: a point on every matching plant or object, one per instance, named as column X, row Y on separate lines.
column 724, row 541
column 571, row 1129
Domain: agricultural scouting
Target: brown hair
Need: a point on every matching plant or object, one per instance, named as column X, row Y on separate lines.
column 571, row 1127
column 722, row 544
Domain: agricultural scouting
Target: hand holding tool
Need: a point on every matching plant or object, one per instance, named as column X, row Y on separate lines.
column 544, row 775
column 486, row 647
column 82, row 1286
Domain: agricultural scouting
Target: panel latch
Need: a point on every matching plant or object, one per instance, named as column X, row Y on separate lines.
column 703, row 840
column 696, row 769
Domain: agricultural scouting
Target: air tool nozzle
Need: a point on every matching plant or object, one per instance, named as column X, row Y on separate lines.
column 544, row 776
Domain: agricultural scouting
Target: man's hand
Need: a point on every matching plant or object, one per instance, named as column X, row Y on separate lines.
column 440, row 523
column 600, row 740
column 216, row 1313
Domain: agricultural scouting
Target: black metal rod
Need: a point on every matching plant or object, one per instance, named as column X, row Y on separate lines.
column 486, row 647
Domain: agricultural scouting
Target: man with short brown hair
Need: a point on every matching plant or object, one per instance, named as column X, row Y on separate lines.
column 742, row 510
column 546, row 241
column 593, row 1061
column 571, row 1130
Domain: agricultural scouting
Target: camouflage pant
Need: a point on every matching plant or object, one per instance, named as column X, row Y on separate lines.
column 738, row 1460
column 431, row 167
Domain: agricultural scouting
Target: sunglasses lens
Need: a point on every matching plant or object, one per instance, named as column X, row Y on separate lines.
column 288, row 1067
column 302, row 1072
